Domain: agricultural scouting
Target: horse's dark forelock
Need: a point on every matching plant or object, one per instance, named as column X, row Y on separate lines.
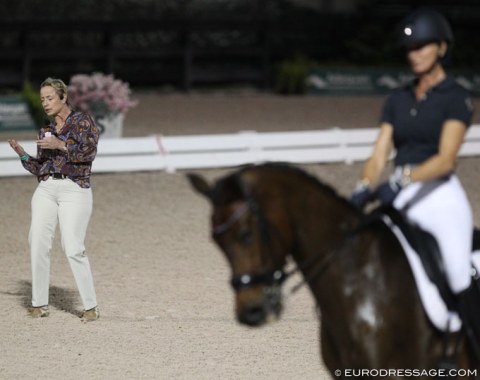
column 229, row 189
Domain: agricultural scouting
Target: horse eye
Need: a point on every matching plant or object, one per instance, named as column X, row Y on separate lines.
column 244, row 237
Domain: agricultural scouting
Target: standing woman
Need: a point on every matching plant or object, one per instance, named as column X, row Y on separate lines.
column 66, row 148
column 426, row 122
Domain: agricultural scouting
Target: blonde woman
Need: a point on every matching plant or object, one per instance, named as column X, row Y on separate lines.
column 66, row 148
column 425, row 122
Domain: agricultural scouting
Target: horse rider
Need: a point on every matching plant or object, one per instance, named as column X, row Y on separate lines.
column 425, row 122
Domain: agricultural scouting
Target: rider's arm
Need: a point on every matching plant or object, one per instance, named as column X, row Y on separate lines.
column 451, row 139
column 382, row 150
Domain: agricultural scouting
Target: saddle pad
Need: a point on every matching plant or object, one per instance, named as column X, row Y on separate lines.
column 435, row 308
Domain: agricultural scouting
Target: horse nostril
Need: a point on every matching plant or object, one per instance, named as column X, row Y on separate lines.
column 253, row 316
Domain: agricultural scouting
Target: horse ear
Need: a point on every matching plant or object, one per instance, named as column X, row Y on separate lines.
column 199, row 184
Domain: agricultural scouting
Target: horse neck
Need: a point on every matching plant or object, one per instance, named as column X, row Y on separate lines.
column 322, row 225
column 318, row 229
column 310, row 216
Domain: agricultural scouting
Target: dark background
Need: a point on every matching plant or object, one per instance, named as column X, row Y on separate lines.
column 188, row 43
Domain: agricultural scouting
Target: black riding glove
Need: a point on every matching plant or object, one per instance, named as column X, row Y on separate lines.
column 388, row 191
column 361, row 195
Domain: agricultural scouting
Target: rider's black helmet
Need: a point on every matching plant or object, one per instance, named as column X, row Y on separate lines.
column 424, row 26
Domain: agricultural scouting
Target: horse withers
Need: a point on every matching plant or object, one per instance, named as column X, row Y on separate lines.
column 370, row 311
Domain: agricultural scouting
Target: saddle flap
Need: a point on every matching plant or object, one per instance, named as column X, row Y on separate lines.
column 427, row 249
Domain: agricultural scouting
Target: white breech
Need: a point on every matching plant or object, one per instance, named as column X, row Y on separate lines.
column 444, row 212
column 69, row 204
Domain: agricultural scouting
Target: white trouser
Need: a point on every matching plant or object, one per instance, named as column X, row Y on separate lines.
column 444, row 212
column 63, row 201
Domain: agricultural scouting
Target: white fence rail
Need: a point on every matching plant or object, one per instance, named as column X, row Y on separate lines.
column 172, row 153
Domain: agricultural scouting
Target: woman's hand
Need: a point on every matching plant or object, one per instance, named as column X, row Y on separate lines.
column 50, row 142
column 16, row 147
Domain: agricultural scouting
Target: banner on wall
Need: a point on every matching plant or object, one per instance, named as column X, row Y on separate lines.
column 372, row 82
column 15, row 114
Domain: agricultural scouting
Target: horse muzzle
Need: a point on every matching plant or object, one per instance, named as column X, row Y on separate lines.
column 258, row 296
column 258, row 306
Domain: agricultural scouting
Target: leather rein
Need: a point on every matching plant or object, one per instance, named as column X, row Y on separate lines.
column 278, row 275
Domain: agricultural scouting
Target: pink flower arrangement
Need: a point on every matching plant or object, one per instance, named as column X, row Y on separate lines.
column 100, row 94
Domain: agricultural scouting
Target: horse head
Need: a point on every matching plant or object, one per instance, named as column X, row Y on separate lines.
column 255, row 247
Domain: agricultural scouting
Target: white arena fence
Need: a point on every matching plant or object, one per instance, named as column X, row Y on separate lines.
column 171, row 153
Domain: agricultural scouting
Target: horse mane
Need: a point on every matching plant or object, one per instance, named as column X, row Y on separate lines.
column 229, row 188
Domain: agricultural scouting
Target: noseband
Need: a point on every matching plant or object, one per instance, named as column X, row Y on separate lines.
column 248, row 280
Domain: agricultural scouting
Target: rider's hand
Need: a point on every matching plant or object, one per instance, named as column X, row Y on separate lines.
column 388, row 191
column 361, row 195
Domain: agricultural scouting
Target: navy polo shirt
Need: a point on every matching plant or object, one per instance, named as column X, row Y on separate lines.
column 417, row 124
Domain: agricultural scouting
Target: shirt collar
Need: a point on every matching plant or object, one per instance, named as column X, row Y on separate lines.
column 445, row 84
column 50, row 124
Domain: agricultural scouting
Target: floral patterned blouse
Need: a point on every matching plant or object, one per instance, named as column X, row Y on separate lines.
column 81, row 136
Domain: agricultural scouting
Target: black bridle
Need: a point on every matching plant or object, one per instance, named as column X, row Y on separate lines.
column 269, row 278
column 276, row 275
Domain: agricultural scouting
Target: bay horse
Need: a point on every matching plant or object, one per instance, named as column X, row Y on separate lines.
column 370, row 312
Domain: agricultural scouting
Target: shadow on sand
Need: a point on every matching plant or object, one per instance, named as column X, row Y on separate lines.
column 59, row 298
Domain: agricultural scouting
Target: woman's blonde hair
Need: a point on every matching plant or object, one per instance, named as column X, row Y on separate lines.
column 59, row 86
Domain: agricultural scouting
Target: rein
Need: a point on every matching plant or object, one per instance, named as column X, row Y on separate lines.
column 322, row 267
column 277, row 276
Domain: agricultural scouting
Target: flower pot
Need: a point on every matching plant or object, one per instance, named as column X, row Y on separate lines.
column 111, row 126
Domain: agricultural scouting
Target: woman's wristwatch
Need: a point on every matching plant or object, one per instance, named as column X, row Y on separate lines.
column 362, row 184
